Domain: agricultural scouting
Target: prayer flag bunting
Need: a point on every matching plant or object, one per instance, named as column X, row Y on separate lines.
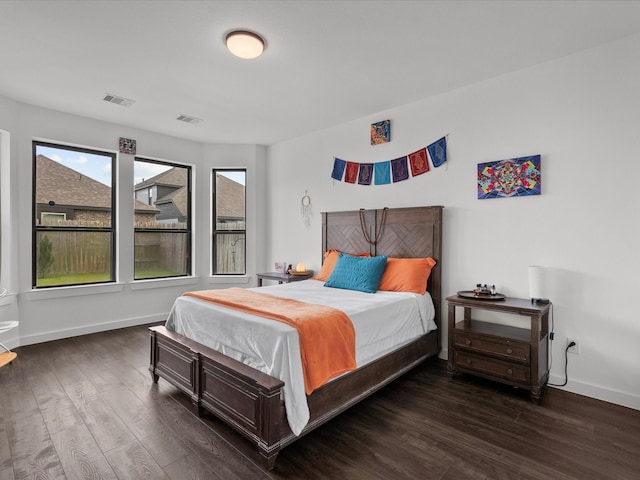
column 438, row 151
column 382, row 172
column 351, row 173
column 366, row 172
column 338, row 169
column 399, row 169
column 419, row 162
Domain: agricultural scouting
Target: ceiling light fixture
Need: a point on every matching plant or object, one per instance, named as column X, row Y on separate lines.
column 245, row 44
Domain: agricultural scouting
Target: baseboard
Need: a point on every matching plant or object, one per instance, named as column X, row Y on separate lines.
column 616, row 397
column 624, row 399
column 88, row 329
column 11, row 343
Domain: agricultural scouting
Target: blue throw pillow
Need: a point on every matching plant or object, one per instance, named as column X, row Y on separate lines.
column 357, row 273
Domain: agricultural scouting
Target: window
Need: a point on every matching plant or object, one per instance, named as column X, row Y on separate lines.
column 229, row 225
column 51, row 217
column 73, row 216
column 162, row 219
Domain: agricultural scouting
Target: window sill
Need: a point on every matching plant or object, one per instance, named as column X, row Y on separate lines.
column 228, row 279
column 76, row 290
column 163, row 282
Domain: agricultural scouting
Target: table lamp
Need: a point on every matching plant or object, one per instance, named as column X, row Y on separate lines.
column 538, row 284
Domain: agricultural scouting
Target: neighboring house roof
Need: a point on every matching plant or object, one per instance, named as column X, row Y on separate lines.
column 232, row 198
column 179, row 199
column 66, row 186
column 174, row 177
column 230, row 202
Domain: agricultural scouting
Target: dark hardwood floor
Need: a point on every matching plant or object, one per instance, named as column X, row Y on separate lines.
column 85, row 408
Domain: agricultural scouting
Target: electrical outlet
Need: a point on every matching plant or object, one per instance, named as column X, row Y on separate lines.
column 576, row 348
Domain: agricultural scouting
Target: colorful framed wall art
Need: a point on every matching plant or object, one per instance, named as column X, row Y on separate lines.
column 381, row 132
column 515, row 177
column 127, row 145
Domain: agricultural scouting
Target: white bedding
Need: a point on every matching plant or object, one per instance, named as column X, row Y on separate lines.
column 382, row 322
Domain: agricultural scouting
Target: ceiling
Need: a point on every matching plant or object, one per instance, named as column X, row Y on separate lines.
column 326, row 62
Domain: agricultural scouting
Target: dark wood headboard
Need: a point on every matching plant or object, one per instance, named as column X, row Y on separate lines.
column 406, row 233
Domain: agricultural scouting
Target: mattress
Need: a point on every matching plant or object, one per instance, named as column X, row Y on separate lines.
column 383, row 321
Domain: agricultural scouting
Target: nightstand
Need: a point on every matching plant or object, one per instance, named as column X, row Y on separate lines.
column 512, row 355
column 283, row 277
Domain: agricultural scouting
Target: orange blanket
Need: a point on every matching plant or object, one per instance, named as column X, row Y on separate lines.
column 327, row 336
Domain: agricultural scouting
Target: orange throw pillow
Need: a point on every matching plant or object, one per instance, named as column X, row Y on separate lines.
column 330, row 259
column 406, row 275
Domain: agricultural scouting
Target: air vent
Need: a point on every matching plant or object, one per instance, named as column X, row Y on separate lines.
column 189, row 119
column 125, row 102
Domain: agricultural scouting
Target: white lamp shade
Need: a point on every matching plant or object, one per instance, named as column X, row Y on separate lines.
column 538, row 282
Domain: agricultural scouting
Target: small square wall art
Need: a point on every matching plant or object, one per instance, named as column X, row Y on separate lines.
column 381, row 132
column 127, row 145
column 516, row 177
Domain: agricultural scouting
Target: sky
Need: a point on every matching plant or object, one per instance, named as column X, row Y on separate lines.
column 97, row 167
column 145, row 170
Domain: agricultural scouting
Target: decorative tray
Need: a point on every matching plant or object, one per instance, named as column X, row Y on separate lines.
column 296, row 272
column 476, row 296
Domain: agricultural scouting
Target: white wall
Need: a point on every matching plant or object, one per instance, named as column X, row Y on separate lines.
column 581, row 114
column 48, row 314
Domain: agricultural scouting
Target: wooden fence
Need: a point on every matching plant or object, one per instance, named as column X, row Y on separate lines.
column 230, row 249
column 74, row 252
column 90, row 252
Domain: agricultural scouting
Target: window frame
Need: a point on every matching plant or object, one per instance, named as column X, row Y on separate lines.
column 188, row 230
column 214, row 230
column 52, row 214
column 112, row 229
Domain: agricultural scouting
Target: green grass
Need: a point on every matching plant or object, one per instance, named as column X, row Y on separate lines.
column 84, row 278
column 80, row 278
column 155, row 273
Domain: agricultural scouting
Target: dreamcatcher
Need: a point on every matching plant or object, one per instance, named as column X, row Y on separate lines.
column 305, row 209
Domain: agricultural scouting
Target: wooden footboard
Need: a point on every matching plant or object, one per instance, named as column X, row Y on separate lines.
column 248, row 400
column 252, row 402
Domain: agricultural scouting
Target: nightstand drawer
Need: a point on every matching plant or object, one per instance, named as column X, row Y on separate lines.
column 494, row 368
column 509, row 350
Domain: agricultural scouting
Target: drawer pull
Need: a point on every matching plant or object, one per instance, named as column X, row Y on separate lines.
column 509, row 371
column 467, row 342
column 468, row 361
column 509, row 351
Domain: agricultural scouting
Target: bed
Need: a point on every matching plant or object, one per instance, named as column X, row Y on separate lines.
column 253, row 402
